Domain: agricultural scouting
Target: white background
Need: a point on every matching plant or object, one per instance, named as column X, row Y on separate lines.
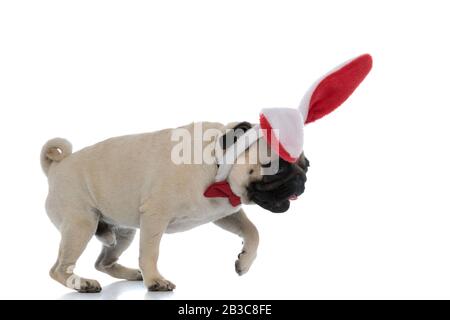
column 374, row 220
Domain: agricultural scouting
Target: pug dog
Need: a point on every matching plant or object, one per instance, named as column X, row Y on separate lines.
column 116, row 186
column 137, row 181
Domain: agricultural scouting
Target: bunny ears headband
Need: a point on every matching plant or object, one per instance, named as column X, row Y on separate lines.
column 324, row 96
column 283, row 127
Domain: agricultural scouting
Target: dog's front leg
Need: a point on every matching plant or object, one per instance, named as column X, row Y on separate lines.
column 152, row 228
column 239, row 224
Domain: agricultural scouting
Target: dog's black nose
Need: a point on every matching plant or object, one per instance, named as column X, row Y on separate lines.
column 300, row 185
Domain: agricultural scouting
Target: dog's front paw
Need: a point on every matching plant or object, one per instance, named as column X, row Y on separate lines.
column 244, row 262
column 160, row 284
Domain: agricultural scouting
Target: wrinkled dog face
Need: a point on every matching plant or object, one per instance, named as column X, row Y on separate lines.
column 274, row 192
column 271, row 191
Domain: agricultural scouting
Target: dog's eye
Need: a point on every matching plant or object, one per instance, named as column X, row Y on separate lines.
column 266, row 165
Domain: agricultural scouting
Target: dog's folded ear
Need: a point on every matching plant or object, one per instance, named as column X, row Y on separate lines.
column 231, row 135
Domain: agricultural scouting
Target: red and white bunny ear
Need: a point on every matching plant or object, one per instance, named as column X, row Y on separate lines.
column 334, row 88
column 283, row 127
column 283, row 131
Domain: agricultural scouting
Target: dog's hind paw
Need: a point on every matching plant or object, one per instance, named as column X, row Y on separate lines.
column 88, row 286
column 160, row 285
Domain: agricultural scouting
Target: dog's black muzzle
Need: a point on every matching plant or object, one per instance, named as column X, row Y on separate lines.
column 274, row 192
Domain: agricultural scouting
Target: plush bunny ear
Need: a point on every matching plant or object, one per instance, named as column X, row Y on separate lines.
column 283, row 127
column 283, row 131
column 334, row 88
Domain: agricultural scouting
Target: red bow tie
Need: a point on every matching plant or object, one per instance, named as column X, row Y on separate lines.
column 222, row 189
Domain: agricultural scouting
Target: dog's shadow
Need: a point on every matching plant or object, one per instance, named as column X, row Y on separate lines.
column 113, row 291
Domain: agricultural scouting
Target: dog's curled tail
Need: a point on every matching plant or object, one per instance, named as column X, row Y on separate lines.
column 54, row 150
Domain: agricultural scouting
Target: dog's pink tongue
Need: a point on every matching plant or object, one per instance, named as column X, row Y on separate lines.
column 294, row 197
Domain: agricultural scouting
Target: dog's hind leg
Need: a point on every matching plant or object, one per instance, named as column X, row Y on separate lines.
column 107, row 261
column 106, row 234
column 76, row 232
